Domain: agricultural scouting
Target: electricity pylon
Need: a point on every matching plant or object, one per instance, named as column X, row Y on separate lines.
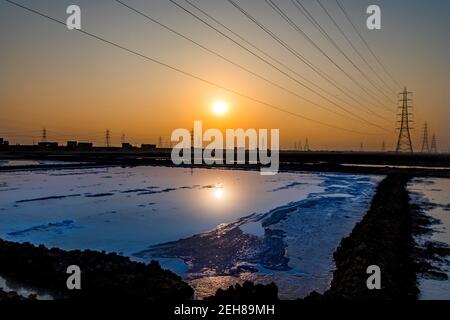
column 404, row 143
column 108, row 138
column 44, row 135
column 433, row 144
column 306, row 148
column 425, row 145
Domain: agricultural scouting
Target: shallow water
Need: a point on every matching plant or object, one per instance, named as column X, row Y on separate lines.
column 129, row 210
column 20, row 162
column 25, row 291
column 434, row 196
column 392, row 166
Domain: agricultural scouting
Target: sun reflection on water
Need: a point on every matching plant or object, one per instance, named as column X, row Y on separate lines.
column 218, row 191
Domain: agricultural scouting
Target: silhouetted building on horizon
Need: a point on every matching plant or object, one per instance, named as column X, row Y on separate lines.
column 126, row 145
column 84, row 145
column 46, row 144
column 3, row 143
column 72, row 144
column 146, row 146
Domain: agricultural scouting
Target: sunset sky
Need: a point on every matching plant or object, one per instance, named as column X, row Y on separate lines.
column 77, row 87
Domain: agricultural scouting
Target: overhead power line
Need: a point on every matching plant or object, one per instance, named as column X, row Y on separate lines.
column 243, row 95
column 311, row 18
column 296, row 27
column 367, row 44
column 277, row 9
column 299, row 56
column 273, row 66
column 302, row 58
column 225, row 58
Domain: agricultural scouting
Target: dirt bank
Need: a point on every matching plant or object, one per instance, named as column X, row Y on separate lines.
column 382, row 238
column 104, row 276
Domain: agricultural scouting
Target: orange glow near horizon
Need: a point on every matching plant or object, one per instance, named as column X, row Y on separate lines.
column 77, row 87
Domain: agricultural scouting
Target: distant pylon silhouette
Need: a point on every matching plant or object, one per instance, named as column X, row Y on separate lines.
column 425, row 145
column 44, row 135
column 306, row 148
column 383, row 146
column 404, row 143
column 361, row 147
column 300, row 148
column 108, row 138
column 434, row 144
column 160, row 143
column 263, row 144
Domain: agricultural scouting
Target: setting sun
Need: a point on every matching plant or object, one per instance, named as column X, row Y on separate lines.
column 220, row 107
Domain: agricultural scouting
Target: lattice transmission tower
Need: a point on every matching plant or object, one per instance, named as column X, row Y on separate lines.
column 434, row 144
column 404, row 143
column 108, row 138
column 425, row 145
column 44, row 135
column 306, row 147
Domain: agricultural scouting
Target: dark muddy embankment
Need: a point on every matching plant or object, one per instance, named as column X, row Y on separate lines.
column 383, row 238
column 104, row 276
